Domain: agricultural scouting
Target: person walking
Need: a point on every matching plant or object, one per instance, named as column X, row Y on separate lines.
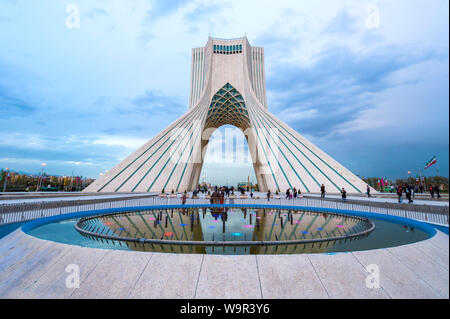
column 408, row 193
column 288, row 193
column 344, row 194
column 268, row 195
column 322, row 191
column 183, row 199
column 437, row 190
column 368, row 191
column 399, row 193
column 432, row 190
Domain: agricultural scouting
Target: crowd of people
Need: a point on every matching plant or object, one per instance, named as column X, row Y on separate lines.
column 408, row 190
column 411, row 190
column 220, row 193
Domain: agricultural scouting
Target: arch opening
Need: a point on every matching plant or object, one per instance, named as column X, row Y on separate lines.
column 227, row 160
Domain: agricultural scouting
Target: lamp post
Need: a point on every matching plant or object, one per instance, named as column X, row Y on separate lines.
column 41, row 180
column 6, row 179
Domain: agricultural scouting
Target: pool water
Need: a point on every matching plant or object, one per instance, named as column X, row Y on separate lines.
column 233, row 225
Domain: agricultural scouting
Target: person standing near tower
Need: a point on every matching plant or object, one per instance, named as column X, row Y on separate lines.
column 399, row 193
column 322, row 191
column 408, row 193
column 437, row 190
column 288, row 193
column 432, row 191
column 344, row 194
column 368, row 191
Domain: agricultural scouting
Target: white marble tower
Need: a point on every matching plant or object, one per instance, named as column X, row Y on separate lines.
column 228, row 87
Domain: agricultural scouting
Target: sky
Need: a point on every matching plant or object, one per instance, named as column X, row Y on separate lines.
column 84, row 83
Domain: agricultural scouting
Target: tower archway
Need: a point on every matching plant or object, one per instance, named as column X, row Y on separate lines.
column 227, row 108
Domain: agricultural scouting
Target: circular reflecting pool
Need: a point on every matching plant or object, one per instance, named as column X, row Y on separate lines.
column 230, row 231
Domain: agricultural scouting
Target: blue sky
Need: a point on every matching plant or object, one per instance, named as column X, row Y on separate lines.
column 374, row 97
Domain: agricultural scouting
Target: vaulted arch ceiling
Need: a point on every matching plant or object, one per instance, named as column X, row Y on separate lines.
column 227, row 107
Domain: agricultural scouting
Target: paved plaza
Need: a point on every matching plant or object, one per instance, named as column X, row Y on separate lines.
column 35, row 268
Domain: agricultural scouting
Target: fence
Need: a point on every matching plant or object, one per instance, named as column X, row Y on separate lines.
column 14, row 213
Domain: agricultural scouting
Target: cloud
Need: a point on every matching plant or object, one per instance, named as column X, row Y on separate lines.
column 358, row 94
column 205, row 12
column 163, row 8
column 80, row 150
column 342, row 23
column 156, row 102
column 96, row 13
column 12, row 107
column 131, row 143
column 338, row 86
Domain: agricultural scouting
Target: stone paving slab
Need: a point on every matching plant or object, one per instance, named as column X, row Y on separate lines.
column 30, row 269
column 169, row 276
column 35, row 268
column 52, row 285
column 289, row 277
column 430, row 250
column 228, row 277
column 440, row 240
column 432, row 273
column 344, row 277
column 395, row 278
column 15, row 249
column 114, row 277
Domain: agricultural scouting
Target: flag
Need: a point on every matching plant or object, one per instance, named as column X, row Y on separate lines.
column 431, row 162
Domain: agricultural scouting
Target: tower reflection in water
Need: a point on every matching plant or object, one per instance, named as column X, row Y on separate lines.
column 229, row 225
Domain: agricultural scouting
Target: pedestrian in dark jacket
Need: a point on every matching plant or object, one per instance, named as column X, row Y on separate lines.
column 344, row 194
column 437, row 190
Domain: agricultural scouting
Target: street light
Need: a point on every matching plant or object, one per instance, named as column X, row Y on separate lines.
column 41, row 180
column 6, row 179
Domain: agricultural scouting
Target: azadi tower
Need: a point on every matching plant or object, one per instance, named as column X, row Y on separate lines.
column 228, row 87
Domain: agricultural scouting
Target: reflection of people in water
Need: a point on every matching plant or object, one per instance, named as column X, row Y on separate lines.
column 215, row 197
column 219, row 213
column 224, row 216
